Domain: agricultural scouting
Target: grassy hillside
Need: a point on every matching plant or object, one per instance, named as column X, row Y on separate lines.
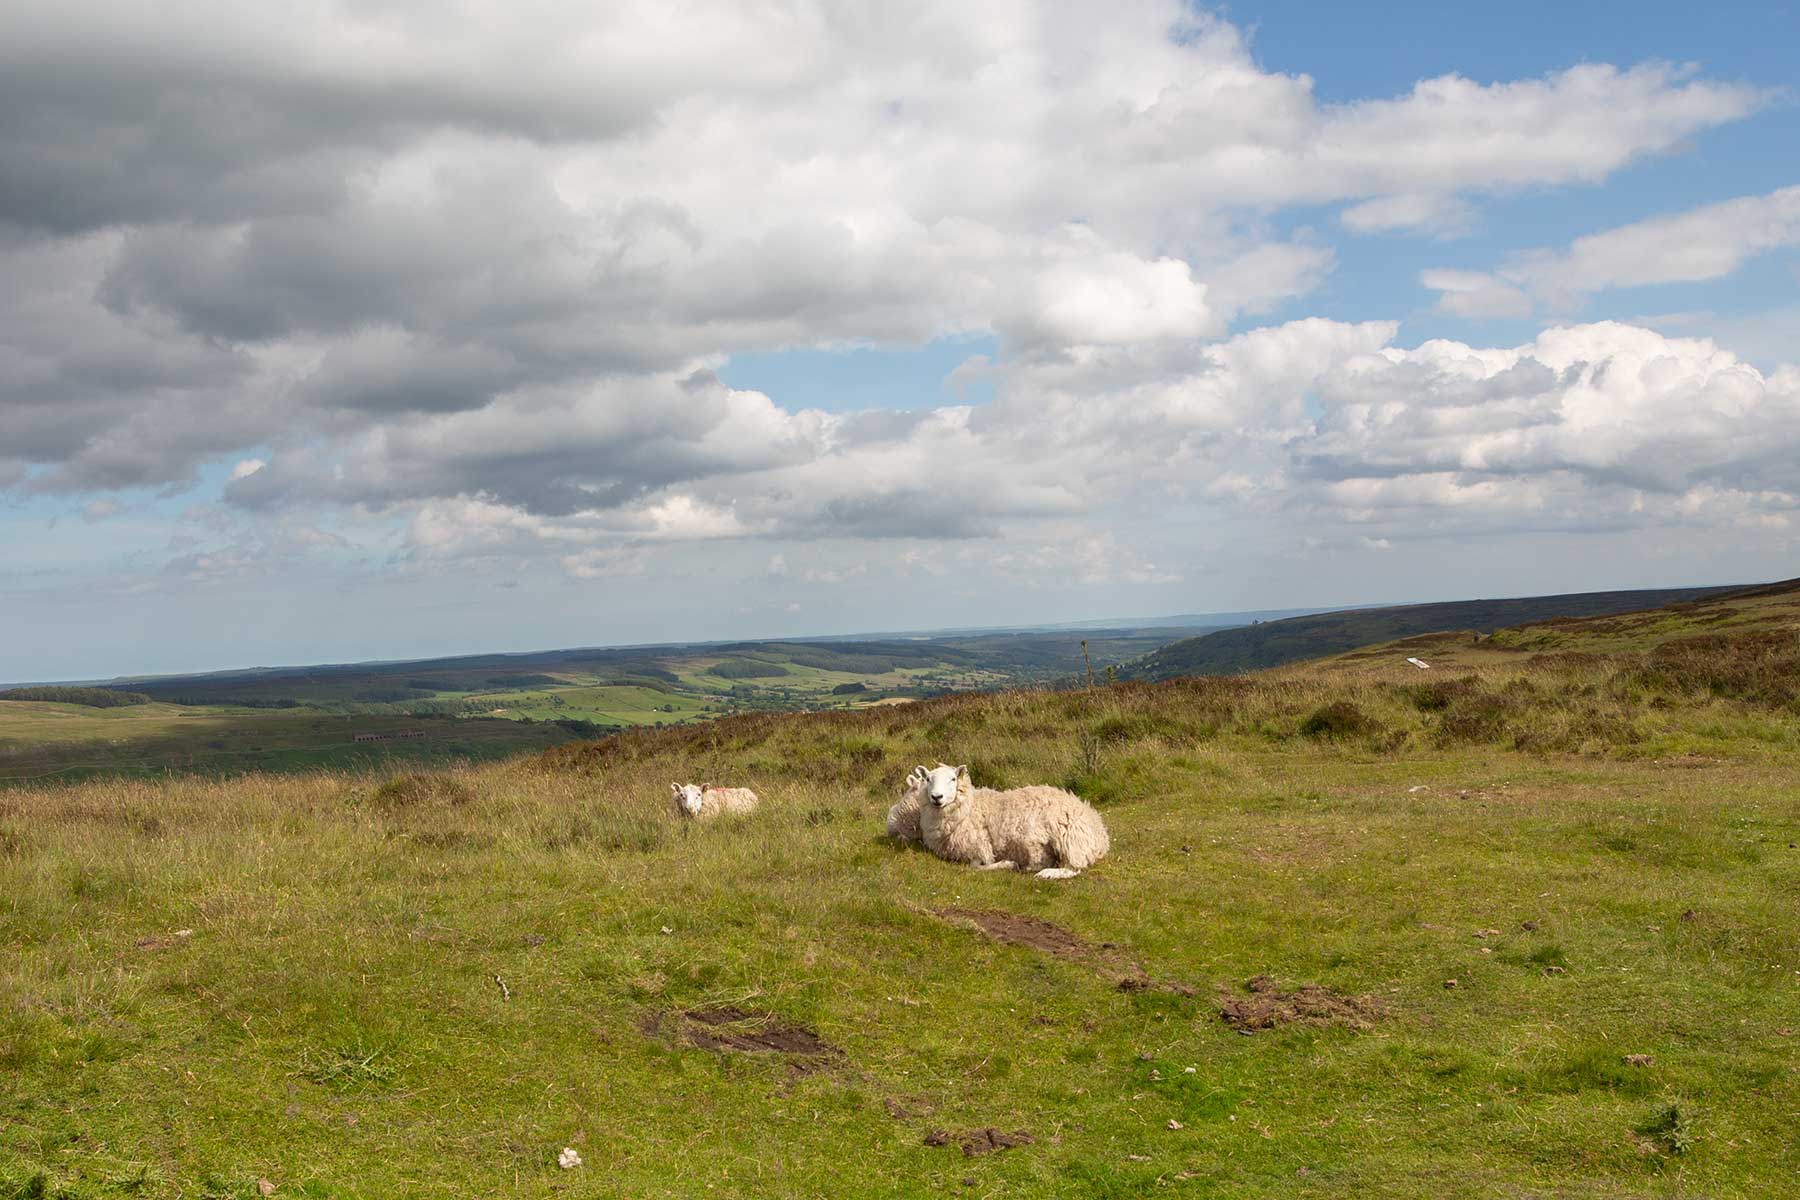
column 1523, row 924
column 1272, row 643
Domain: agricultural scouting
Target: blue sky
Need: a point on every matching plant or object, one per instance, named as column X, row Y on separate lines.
column 324, row 340
column 1354, row 50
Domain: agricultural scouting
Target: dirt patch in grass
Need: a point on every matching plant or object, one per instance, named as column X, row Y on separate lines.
column 1685, row 762
column 1035, row 933
column 1268, row 1007
column 748, row 1031
column 1014, row 929
column 907, row 1108
column 976, row 1142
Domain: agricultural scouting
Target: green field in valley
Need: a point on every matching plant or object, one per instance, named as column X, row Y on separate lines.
column 606, row 704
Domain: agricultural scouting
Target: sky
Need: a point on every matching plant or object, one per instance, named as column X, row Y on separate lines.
column 352, row 329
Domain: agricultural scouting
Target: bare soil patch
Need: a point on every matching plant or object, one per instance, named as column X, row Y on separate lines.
column 1268, row 1007
column 1035, row 933
column 1013, row 929
column 906, row 1108
column 748, row 1031
column 976, row 1142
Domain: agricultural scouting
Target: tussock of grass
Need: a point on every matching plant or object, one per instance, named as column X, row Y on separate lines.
column 349, row 1067
column 411, row 791
column 1338, row 719
column 1670, row 1128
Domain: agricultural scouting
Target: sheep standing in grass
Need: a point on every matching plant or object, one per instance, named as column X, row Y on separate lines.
column 1043, row 829
column 701, row 801
column 903, row 817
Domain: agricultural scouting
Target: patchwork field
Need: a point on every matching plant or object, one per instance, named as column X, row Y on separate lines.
column 1523, row 924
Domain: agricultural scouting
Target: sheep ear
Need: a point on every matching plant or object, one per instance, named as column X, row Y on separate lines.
column 962, row 772
column 676, row 788
column 917, row 773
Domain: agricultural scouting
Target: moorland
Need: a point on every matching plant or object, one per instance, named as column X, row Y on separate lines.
column 1519, row 924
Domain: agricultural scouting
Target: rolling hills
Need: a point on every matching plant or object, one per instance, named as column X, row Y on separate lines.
column 1272, row 643
column 1521, row 924
column 487, row 706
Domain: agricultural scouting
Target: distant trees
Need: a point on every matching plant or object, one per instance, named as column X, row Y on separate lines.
column 522, row 681
column 385, row 695
column 92, row 697
column 746, row 668
column 225, row 699
column 586, row 728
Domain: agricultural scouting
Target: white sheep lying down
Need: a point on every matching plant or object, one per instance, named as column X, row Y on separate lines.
column 903, row 817
column 1044, row 829
column 700, row 802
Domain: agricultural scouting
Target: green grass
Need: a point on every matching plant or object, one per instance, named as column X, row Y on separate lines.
column 429, row 986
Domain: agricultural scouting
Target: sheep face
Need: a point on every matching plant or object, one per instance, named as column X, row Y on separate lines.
column 941, row 784
column 689, row 797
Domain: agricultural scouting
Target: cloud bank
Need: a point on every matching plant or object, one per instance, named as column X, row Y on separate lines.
column 462, row 285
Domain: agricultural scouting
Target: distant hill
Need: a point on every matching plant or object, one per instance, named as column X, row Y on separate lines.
column 1272, row 643
column 90, row 697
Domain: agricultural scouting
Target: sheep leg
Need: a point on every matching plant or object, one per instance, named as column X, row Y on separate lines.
column 1057, row 873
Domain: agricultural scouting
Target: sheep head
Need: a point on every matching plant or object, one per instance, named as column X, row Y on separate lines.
column 943, row 783
column 688, row 797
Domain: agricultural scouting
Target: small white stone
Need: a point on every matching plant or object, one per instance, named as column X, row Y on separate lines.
column 1174, row 1124
column 568, row 1160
